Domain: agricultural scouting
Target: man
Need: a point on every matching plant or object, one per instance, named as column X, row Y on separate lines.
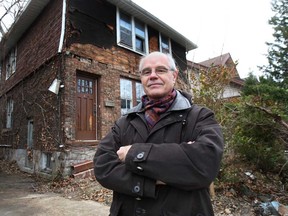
column 160, row 158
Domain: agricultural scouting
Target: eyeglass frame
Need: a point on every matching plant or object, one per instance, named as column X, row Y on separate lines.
column 160, row 70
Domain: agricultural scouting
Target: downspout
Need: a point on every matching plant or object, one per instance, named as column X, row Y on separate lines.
column 61, row 41
column 60, row 70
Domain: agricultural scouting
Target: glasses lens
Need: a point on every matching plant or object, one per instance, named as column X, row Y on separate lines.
column 157, row 70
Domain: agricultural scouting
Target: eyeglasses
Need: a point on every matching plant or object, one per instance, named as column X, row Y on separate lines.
column 157, row 70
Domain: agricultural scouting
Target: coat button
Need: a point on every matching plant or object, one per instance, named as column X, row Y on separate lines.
column 140, row 168
column 140, row 212
column 136, row 189
column 140, row 155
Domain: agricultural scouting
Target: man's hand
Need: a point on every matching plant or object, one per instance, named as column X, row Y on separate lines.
column 122, row 152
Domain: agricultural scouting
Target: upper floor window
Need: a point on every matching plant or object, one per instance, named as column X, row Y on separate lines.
column 10, row 104
column 130, row 93
column 11, row 63
column 165, row 45
column 131, row 33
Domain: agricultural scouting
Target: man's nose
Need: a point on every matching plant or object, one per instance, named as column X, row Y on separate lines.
column 153, row 73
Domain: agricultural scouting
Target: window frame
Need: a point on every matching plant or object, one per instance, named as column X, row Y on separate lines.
column 161, row 37
column 30, row 131
column 9, row 113
column 134, row 36
column 128, row 87
column 136, row 87
column 46, row 162
column 11, row 63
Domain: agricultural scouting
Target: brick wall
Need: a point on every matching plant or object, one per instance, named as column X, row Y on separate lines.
column 107, row 66
column 33, row 101
column 38, row 65
column 37, row 45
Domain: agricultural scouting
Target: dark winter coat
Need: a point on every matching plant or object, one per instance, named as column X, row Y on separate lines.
column 162, row 154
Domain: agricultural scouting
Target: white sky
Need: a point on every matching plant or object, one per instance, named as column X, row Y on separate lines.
column 239, row 27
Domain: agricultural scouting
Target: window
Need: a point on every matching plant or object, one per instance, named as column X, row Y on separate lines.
column 125, row 30
column 165, row 46
column 131, row 33
column 30, row 134
column 85, row 86
column 0, row 71
column 126, row 95
column 130, row 93
column 139, row 92
column 46, row 162
column 11, row 63
column 10, row 103
column 140, row 37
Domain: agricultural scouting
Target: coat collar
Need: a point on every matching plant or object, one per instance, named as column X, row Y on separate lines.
column 182, row 101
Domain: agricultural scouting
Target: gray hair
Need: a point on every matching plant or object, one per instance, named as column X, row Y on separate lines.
column 171, row 61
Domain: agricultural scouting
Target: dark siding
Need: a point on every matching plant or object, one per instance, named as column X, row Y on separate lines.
column 153, row 39
column 92, row 22
column 179, row 55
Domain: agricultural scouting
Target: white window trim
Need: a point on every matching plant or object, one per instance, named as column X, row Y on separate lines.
column 160, row 43
column 133, row 35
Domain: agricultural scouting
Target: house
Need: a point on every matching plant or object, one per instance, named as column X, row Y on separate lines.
column 68, row 71
column 233, row 89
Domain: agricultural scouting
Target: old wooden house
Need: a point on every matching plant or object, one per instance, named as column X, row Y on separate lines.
column 231, row 90
column 68, row 71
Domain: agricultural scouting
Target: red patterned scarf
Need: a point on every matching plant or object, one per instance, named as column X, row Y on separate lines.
column 154, row 108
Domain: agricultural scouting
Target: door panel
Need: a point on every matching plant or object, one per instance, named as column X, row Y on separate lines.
column 86, row 107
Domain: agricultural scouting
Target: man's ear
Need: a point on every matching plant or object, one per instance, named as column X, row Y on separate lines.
column 175, row 75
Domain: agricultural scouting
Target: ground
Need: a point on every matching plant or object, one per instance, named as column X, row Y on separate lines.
column 245, row 195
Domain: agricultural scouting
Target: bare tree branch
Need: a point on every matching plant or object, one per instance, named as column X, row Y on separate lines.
column 12, row 8
column 275, row 116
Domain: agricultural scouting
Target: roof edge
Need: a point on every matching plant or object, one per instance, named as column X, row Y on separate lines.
column 153, row 21
column 21, row 24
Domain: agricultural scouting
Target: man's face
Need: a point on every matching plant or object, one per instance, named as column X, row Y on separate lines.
column 157, row 78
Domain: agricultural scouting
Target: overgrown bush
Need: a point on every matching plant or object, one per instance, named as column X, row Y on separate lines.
column 257, row 138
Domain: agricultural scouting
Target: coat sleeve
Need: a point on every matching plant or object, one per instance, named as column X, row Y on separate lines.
column 183, row 165
column 111, row 173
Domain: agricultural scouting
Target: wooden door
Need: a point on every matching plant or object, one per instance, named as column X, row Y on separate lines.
column 86, row 109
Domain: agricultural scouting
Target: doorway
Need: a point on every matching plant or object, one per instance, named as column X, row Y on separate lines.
column 86, row 108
